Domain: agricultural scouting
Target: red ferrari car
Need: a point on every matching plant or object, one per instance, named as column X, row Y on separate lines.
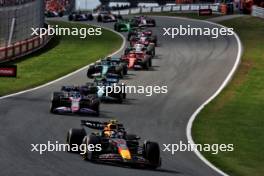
column 138, row 60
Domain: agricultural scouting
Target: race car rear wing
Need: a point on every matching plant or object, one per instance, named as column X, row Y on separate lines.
column 98, row 125
column 93, row 124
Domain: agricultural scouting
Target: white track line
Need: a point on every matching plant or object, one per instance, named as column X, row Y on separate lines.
column 223, row 85
column 70, row 74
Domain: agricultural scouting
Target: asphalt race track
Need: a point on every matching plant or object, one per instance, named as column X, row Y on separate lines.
column 193, row 68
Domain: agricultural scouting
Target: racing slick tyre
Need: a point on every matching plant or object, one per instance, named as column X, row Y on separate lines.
column 119, row 17
column 127, row 50
column 146, row 65
column 120, row 98
column 61, row 14
column 125, row 70
column 151, row 152
column 116, row 27
column 154, row 40
column 121, row 74
column 88, row 140
column 75, row 137
column 55, row 99
column 124, row 95
column 90, row 17
column 99, row 18
column 97, row 110
column 70, row 18
column 90, row 71
column 154, row 23
column 150, row 62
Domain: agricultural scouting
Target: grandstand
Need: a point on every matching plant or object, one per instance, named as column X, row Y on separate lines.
column 17, row 17
column 59, row 5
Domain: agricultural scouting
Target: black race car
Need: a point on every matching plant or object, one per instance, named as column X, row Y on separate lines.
column 74, row 100
column 106, row 16
column 80, row 16
column 111, row 144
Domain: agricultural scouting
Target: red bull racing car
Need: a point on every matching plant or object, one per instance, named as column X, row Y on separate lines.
column 114, row 145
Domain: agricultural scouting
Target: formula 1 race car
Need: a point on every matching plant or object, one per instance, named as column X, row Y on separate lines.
column 106, row 87
column 112, row 144
column 80, row 16
column 137, row 32
column 124, row 25
column 144, row 21
column 150, row 49
column 106, row 16
column 143, row 39
column 73, row 101
column 50, row 14
column 107, row 65
column 138, row 59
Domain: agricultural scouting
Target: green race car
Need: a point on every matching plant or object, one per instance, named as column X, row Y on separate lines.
column 106, row 66
column 124, row 25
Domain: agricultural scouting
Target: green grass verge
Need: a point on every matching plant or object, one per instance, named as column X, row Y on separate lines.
column 237, row 115
column 187, row 15
column 63, row 55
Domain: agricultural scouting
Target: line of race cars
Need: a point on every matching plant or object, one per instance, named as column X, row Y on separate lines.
column 121, row 25
column 117, row 146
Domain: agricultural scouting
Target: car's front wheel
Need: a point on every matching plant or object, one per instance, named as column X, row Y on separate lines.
column 89, row 155
column 151, row 152
column 74, row 139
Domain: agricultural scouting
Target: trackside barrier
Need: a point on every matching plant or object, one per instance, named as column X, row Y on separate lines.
column 172, row 8
column 22, row 48
column 258, row 11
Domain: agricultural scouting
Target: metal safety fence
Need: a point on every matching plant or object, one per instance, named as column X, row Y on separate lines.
column 258, row 11
column 171, row 8
column 22, row 48
column 17, row 18
column 16, row 21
